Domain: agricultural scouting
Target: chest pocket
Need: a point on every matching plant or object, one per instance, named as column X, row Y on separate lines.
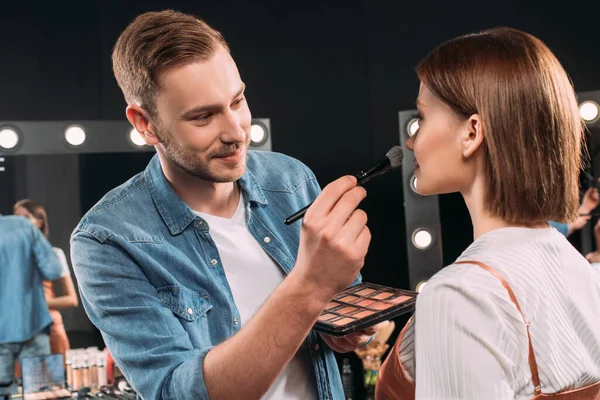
column 184, row 303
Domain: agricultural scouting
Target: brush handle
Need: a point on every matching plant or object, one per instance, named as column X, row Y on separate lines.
column 296, row 216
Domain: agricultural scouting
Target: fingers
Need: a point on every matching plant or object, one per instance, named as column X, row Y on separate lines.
column 346, row 343
column 363, row 240
column 329, row 197
column 333, row 343
column 355, row 341
column 355, row 225
column 370, row 331
column 345, row 207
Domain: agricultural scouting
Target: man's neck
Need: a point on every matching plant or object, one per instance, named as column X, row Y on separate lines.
column 218, row 199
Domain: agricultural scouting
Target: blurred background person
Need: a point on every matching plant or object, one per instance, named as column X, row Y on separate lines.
column 588, row 204
column 59, row 342
column 26, row 257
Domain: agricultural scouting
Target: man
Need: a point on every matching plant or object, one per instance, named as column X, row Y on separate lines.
column 588, row 204
column 182, row 268
column 26, row 258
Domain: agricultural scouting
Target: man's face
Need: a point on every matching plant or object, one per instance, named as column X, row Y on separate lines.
column 203, row 120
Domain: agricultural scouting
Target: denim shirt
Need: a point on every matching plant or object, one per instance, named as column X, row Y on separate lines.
column 26, row 257
column 151, row 279
column 560, row 226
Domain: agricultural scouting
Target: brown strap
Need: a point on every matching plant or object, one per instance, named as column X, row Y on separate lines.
column 392, row 382
column 532, row 363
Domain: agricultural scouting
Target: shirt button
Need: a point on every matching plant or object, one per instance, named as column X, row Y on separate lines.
column 267, row 240
column 316, row 347
column 213, row 261
column 236, row 321
column 190, row 311
column 198, row 223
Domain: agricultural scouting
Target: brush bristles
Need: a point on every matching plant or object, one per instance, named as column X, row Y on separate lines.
column 395, row 155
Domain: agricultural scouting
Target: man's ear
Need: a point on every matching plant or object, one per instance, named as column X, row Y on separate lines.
column 140, row 119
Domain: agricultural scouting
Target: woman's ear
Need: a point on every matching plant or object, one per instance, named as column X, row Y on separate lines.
column 472, row 138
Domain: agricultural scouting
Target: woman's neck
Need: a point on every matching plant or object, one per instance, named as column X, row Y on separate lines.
column 483, row 220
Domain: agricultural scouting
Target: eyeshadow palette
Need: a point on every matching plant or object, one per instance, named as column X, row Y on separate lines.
column 362, row 306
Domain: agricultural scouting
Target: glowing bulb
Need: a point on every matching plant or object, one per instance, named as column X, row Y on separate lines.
column 9, row 138
column 589, row 111
column 413, row 184
column 257, row 134
column 421, row 238
column 75, row 135
column 420, row 286
column 413, row 127
column 136, row 138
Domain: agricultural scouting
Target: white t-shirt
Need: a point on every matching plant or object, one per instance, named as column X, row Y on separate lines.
column 63, row 262
column 467, row 339
column 252, row 277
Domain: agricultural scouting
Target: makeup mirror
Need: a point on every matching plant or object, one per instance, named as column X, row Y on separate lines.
column 48, row 161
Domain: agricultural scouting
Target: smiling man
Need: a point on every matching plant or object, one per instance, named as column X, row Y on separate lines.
column 198, row 287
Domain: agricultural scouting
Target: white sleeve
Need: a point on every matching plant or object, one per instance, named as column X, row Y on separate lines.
column 461, row 345
column 63, row 261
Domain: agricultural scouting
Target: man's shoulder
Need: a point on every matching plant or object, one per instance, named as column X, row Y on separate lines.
column 13, row 222
column 278, row 172
column 119, row 207
column 16, row 230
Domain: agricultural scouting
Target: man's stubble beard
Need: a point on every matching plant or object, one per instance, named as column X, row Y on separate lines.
column 191, row 164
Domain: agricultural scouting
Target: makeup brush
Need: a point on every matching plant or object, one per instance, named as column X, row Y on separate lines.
column 392, row 159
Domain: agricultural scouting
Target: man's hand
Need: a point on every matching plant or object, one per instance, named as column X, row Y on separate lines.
column 579, row 223
column 588, row 204
column 593, row 257
column 590, row 201
column 334, row 239
column 351, row 342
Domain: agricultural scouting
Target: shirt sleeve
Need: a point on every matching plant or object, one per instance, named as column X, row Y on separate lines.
column 63, row 262
column 459, row 350
column 559, row 226
column 46, row 260
column 145, row 338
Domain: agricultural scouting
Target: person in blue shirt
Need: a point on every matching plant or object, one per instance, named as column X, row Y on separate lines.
column 588, row 204
column 26, row 258
column 198, row 287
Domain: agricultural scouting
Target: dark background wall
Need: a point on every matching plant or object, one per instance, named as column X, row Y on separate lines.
column 331, row 76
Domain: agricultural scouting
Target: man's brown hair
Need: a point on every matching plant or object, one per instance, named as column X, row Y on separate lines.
column 532, row 128
column 154, row 42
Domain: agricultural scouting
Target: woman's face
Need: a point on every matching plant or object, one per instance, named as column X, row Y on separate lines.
column 438, row 146
column 24, row 213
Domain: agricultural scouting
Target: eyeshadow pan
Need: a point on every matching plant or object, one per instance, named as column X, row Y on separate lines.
column 365, row 302
column 343, row 321
column 400, row 299
column 381, row 306
column 347, row 310
column 383, row 295
column 363, row 314
column 365, row 292
column 361, row 306
column 327, row 317
column 348, row 299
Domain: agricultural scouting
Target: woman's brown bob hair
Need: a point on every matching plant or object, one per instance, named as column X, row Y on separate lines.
column 532, row 128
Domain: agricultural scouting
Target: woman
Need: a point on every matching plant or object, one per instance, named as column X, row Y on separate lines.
column 59, row 342
column 516, row 316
